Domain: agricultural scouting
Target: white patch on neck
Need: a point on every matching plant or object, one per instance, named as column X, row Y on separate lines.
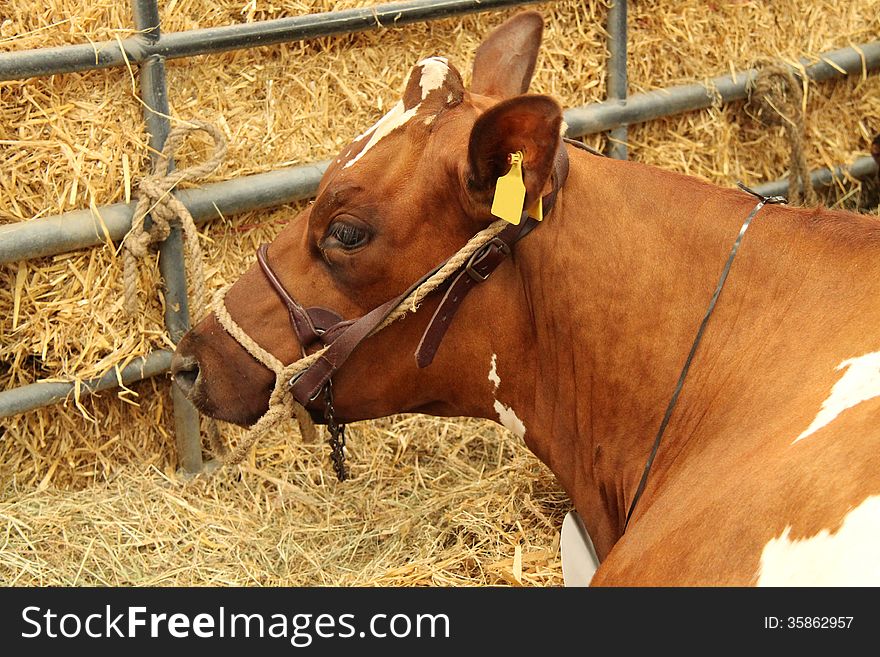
column 505, row 414
column 860, row 382
column 493, row 373
column 434, row 72
column 849, row 557
column 509, row 419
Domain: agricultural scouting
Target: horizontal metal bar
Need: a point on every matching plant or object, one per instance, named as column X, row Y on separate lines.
column 36, row 395
column 79, row 229
column 83, row 228
column 862, row 169
column 17, row 65
column 642, row 107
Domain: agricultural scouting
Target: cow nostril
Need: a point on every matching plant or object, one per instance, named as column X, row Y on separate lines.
column 185, row 372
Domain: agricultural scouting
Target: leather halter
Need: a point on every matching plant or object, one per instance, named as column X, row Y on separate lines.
column 311, row 325
column 316, row 326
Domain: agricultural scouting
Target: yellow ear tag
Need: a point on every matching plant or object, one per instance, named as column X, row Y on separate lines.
column 510, row 192
column 537, row 210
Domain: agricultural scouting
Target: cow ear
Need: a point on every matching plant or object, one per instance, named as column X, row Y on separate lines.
column 529, row 124
column 505, row 61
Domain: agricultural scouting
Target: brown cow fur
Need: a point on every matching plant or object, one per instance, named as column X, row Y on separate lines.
column 590, row 322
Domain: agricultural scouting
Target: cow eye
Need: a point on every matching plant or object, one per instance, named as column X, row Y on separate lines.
column 347, row 236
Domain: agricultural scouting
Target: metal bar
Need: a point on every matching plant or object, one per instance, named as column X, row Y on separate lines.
column 617, row 75
column 36, row 395
column 79, row 229
column 46, row 236
column 51, row 235
column 862, row 169
column 600, row 117
column 154, row 92
column 65, row 59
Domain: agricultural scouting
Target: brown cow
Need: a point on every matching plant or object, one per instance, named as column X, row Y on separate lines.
column 769, row 470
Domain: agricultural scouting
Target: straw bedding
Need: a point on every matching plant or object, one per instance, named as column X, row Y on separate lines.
column 88, row 490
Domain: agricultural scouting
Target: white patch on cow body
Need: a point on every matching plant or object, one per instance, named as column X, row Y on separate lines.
column 493, row 372
column 506, row 415
column 848, row 557
column 434, row 72
column 509, row 420
column 859, row 383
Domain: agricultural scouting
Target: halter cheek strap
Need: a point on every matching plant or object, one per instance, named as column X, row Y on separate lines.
column 309, row 324
column 483, row 263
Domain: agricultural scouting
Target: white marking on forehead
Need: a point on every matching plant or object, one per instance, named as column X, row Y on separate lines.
column 493, row 372
column 859, row 383
column 509, row 419
column 434, row 72
column 848, row 557
column 391, row 121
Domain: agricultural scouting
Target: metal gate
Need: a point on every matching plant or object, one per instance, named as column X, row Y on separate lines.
column 45, row 236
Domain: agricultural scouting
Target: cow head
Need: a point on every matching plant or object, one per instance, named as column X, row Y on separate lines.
column 404, row 196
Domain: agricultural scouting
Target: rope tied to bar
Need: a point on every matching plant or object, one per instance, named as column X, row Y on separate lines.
column 282, row 404
column 155, row 198
column 776, row 98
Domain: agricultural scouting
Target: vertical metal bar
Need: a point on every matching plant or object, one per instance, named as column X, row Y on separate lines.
column 617, row 78
column 154, row 92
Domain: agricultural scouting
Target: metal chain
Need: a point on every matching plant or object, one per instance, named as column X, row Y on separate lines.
column 337, row 434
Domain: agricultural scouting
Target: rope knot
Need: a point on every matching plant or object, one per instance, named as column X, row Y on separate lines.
column 155, row 198
column 776, row 98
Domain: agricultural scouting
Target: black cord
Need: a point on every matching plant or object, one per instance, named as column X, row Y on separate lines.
column 762, row 201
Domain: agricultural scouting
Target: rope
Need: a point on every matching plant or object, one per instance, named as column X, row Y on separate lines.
column 282, row 405
column 776, row 99
column 155, row 198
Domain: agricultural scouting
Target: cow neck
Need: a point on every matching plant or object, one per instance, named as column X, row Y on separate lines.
column 606, row 339
column 762, row 201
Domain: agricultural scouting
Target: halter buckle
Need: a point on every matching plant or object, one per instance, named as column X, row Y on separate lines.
column 296, row 377
column 480, row 253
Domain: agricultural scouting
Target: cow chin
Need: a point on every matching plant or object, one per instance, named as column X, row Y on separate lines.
column 220, row 379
